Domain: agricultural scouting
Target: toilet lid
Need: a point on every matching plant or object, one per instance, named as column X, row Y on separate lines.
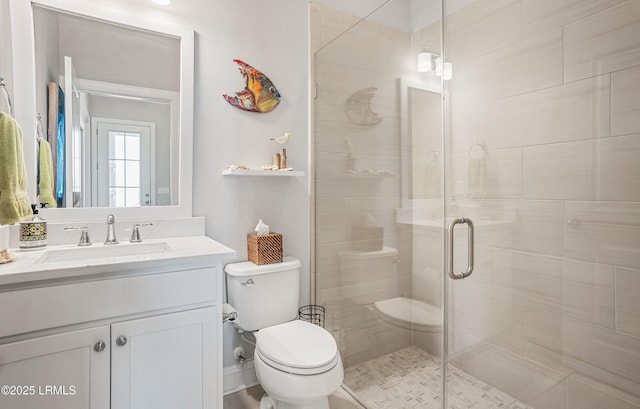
column 299, row 346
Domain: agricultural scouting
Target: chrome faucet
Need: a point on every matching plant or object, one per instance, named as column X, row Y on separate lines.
column 111, row 230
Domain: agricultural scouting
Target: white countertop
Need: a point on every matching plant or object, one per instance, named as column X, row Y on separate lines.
column 183, row 253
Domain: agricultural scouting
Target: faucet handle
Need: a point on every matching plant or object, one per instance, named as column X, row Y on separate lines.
column 135, row 232
column 84, row 235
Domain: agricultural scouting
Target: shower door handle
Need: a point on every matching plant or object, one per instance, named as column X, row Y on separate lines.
column 452, row 225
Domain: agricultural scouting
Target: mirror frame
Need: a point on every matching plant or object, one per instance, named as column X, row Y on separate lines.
column 24, row 63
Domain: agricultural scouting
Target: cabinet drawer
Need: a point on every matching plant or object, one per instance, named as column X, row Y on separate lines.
column 59, row 305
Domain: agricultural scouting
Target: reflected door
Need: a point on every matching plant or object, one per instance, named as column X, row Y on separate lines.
column 124, row 164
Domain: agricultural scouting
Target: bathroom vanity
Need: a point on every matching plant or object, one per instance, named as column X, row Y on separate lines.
column 134, row 325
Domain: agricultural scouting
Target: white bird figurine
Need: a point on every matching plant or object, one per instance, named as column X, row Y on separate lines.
column 282, row 139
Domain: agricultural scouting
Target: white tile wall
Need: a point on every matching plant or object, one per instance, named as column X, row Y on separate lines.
column 483, row 27
column 602, row 232
column 550, row 115
column 543, row 15
column 625, row 104
column 627, row 305
column 551, row 315
column 610, row 356
column 369, row 55
column 603, row 42
column 499, row 74
column 481, row 316
column 601, row 169
column 576, row 289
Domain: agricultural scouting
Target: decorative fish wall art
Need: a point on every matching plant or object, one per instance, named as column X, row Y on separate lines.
column 259, row 93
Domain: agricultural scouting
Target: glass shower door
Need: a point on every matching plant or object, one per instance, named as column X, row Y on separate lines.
column 541, row 143
column 532, row 133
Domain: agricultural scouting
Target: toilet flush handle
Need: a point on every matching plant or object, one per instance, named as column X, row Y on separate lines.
column 249, row 283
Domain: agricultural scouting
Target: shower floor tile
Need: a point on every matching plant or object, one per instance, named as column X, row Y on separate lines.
column 410, row 378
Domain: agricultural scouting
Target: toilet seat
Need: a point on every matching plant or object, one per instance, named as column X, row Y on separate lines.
column 297, row 347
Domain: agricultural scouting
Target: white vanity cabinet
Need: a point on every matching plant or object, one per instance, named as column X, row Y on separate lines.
column 68, row 362
column 134, row 335
column 164, row 362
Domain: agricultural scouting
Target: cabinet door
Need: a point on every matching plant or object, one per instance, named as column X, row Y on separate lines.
column 164, row 362
column 62, row 371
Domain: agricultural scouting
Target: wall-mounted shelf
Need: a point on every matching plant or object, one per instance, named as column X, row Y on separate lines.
column 252, row 172
column 367, row 174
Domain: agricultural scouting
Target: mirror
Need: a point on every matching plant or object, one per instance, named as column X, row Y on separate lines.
column 170, row 180
column 421, row 113
column 113, row 132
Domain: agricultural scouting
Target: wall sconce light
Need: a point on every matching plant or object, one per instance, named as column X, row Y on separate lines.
column 425, row 63
column 447, row 71
column 444, row 70
column 438, row 68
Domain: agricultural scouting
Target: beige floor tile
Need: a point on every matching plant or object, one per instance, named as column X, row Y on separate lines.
column 250, row 399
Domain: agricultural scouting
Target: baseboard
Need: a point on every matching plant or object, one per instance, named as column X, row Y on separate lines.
column 238, row 377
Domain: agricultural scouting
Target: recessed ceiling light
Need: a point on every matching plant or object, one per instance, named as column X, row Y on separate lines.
column 162, row 2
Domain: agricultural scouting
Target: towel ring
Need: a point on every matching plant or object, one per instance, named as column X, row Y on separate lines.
column 3, row 85
column 479, row 145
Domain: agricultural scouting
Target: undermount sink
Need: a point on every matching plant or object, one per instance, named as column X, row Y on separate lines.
column 101, row 251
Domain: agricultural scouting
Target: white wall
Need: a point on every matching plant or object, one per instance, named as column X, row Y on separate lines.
column 6, row 62
column 275, row 41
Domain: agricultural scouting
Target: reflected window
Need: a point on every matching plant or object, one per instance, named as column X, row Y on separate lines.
column 124, row 169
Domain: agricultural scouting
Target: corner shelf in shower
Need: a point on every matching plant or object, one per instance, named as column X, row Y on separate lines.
column 269, row 173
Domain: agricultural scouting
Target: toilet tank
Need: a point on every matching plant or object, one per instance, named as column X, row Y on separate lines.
column 361, row 267
column 264, row 295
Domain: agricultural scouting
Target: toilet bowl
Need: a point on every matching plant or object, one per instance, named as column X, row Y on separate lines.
column 425, row 319
column 297, row 363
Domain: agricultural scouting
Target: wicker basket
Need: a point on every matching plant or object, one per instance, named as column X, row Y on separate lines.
column 265, row 249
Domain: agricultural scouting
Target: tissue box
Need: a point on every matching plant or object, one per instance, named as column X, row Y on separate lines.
column 266, row 249
column 367, row 238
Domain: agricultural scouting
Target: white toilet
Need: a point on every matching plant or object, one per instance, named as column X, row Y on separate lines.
column 297, row 363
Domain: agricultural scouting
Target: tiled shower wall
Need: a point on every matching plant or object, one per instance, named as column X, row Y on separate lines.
column 552, row 87
column 369, row 55
column 551, row 315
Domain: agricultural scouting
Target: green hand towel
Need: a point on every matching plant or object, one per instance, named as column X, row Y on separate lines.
column 46, row 174
column 14, row 202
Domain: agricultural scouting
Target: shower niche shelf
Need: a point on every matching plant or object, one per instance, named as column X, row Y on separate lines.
column 268, row 173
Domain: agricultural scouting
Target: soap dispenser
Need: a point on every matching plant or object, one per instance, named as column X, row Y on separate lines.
column 33, row 233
